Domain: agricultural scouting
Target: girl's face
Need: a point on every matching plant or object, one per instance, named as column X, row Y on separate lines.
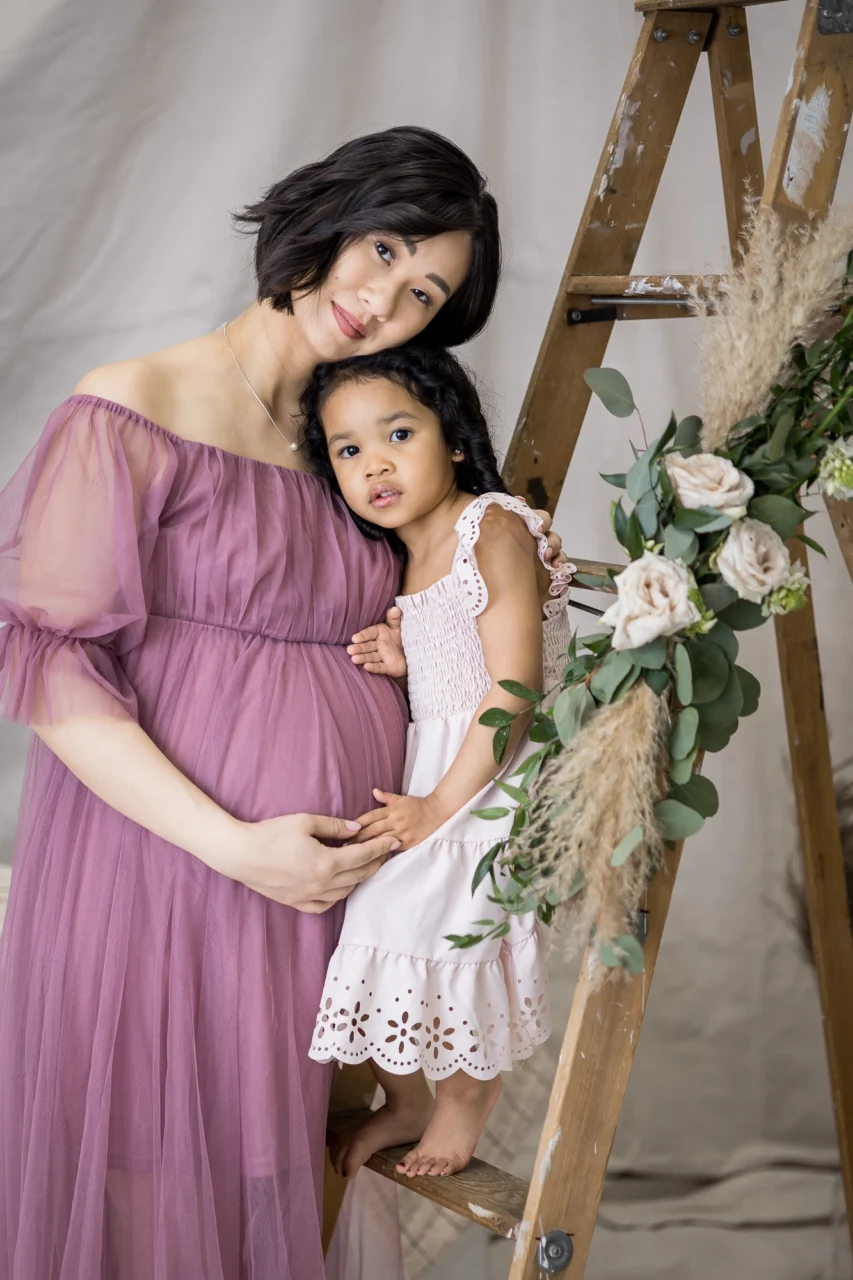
column 381, row 291
column 388, row 452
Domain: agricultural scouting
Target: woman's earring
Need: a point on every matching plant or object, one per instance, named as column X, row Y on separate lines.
column 457, row 455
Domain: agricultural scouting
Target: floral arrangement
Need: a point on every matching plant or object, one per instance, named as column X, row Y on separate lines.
column 707, row 516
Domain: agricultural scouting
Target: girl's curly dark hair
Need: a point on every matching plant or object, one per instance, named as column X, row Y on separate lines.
column 407, row 181
column 437, row 380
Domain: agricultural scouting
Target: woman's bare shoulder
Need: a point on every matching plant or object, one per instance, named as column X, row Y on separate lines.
column 150, row 385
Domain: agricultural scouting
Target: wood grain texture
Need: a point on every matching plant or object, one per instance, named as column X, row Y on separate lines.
column 613, row 221
column 598, row 1051
column 733, row 94
column 841, row 515
column 811, row 134
column 801, row 179
column 486, row 1195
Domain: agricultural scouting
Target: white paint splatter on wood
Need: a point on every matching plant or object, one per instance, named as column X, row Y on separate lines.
column 602, row 186
column 545, row 1162
column 522, row 1242
column 807, row 144
column 623, row 137
column 747, row 140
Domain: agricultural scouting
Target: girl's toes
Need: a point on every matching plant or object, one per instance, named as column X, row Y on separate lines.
column 409, row 1159
column 438, row 1167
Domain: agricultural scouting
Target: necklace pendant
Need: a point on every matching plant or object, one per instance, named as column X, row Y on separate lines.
column 294, row 446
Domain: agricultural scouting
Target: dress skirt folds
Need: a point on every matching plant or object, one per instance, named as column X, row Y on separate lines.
column 160, row 1118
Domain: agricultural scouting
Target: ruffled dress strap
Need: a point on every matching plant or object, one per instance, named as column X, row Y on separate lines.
column 466, row 571
column 78, row 525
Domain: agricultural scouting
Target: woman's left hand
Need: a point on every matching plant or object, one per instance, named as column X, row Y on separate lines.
column 555, row 555
column 410, row 819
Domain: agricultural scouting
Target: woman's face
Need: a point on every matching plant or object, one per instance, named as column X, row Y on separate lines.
column 380, row 292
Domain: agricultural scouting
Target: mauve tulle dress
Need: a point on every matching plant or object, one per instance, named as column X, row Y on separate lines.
column 161, row 1118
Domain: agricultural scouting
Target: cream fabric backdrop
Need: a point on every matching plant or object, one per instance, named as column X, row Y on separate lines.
column 129, row 132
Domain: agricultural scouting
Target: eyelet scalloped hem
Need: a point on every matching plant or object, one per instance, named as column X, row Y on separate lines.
column 403, row 1012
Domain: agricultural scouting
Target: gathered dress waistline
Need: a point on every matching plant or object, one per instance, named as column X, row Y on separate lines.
column 241, row 631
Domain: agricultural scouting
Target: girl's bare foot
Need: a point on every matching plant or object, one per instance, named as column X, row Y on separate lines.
column 404, row 1118
column 463, row 1106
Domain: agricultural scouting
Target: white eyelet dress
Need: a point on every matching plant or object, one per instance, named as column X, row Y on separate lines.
column 396, row 990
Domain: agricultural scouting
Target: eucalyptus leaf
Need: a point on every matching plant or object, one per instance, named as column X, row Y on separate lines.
column 681, row 770
column 751, row 690
column 677, row 821
column 657, row 446
column 779, row 439
column 520, row 690
column 724, row 710
column 594, row 580
column 683, row 675
column 717, row 595
column 743, row 615
column 491, row 814
column 710, row 667
column 638, row 481
column 514, row 793
column 658, row 681
column 714, row 523
column 696, row 517
column 544, row 731
column 646, row 512
column 780, row 513
column 698, row 793
column 688, row 432
column 596, row 640
column 496, row 717
column 624, row 952
column 626, row 847
column 680, row 544
column 616, row 478
column 613, row 670
column 613, row 391
column 572, row 708
column 484, row 867
column 651, row 655
column 723, row 636
column 711, row 739
column 633, row 543
column 683, row 736
column 619, row 520
column 624, row 686
column 810, row 542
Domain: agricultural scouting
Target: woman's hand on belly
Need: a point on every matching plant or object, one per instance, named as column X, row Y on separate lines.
column 283, row 859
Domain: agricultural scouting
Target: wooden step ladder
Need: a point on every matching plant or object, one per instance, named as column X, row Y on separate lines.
column 552, row 1219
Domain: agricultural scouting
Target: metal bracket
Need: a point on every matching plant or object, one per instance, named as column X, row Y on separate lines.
column 594, row 315
column 835, row 17
column 555, row 1251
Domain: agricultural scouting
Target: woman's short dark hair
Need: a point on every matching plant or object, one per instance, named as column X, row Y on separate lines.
column 406, row 181
column 434, row 378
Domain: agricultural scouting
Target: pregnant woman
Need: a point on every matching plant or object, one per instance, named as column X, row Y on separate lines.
column 178, row 595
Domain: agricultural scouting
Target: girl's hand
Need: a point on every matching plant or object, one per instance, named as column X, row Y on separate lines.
column 379, row 649
column 409, row 819
column 283, row 859
column 555, row 555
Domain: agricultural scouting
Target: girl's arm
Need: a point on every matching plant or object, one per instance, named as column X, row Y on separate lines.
column 510, row 630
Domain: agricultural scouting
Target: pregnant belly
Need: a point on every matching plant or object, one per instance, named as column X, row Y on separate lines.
column 268, row 727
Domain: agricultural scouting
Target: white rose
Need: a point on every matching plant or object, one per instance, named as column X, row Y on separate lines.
column 708, row 481
column 753, row 560
column 653, row 600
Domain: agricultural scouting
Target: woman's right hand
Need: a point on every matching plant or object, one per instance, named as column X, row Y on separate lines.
column 283, row 859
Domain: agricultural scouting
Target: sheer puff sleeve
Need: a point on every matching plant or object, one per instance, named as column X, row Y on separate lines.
column 78, row 525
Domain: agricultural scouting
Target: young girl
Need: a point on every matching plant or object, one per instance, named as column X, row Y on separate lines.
column 403, row 437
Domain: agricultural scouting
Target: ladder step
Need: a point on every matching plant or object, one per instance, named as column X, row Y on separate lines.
column 669, row 288
column 484, row 1194
column 598, row 568
column 655, row 6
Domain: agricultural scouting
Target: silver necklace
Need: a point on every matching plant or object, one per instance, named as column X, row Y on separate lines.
column 292, row 444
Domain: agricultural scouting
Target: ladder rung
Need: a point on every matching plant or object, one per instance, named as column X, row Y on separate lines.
column 671, row 288
column 487, row 1195
column 654, row 6
column 598, row 568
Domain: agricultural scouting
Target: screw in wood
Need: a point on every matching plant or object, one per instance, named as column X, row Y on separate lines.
column 555, row 1252
column 734, row 30
column 694, row 37
column 659, row 34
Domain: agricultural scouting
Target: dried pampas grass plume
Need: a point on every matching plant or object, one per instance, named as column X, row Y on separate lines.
column 777, row 297
column 601, row 786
